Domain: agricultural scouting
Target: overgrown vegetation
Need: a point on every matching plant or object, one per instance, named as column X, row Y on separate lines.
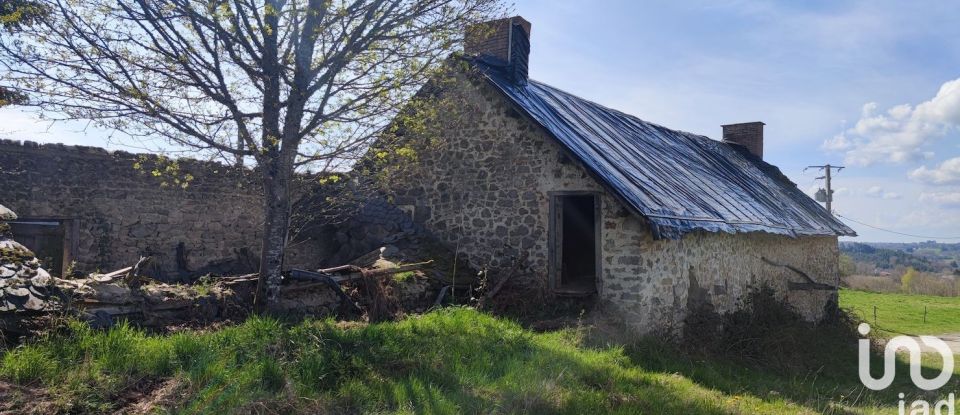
column 871, row 283
column 910, row 281
column 765, row 331
column 454, row 360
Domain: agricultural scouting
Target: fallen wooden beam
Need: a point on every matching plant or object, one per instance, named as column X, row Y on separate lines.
column 238, row 279
column 110, row 275
column 348, row 267
column 389, row 271
column 298, row 274
column 327, row 278
column 323, row 279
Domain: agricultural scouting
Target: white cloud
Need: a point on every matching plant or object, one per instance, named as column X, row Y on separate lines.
column 927, row 221
column 947, row 172
column 900, row 133
column 879, row 192
column 944, row 199
column 838, row 143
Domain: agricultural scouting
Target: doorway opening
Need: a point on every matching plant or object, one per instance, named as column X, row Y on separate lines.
column 576, row 244
column 51, row 240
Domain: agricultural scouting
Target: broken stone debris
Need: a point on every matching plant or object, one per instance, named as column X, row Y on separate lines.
column 24, row 284
column 7, row 214
column 27, row 290
column 103, row 299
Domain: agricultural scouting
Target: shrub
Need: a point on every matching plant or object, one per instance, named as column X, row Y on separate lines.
column 872, row 283
column 906, row 281
column 766, row 331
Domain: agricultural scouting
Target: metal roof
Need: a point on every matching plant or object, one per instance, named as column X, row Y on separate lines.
column 680, row 182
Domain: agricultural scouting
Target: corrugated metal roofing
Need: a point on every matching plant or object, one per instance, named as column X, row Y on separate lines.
column 680, row 182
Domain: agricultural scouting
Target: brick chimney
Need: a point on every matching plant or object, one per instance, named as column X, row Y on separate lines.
column 748, row 134
column 502, row 42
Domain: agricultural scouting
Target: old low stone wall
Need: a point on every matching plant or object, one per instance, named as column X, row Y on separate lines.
column 121, row 212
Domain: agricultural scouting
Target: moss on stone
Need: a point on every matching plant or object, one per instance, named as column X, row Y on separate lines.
column 15, row 255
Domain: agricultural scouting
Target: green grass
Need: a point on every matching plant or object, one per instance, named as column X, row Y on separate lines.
column 404, row 276
column 454, row 360
column 903, row 313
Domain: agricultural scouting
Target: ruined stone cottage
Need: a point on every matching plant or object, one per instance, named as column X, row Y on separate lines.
column 650, row 220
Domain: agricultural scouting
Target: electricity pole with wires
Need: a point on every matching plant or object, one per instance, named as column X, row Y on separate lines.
column 828, row 197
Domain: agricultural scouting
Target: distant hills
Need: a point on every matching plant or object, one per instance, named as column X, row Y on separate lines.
column 929, row 256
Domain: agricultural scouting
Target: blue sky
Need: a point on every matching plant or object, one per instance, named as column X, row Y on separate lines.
column 866, row 84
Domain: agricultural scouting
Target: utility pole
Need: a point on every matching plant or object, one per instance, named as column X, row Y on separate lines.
column 827, row 178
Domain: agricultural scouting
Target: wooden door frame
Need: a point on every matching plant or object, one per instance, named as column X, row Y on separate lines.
column 71, row 236
column 555, row 236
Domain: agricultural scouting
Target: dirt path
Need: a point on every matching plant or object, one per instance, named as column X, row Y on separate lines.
column 16, row 399
column 144, row 399
column 951, row 339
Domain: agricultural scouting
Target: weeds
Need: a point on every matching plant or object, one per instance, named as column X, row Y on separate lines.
column 404, row 276
column 453, row 360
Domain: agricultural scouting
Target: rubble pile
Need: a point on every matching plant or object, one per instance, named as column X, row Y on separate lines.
column 23, row 283
column 380, row 285
column 104, row 299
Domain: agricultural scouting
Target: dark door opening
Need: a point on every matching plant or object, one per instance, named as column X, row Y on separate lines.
column 577, row 232
column 47, row 239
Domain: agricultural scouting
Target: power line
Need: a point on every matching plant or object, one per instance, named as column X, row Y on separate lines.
column 898, row 233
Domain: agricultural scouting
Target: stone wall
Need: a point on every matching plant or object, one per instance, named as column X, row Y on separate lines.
column 486, row 189
column 656, row 282
column 121, row 212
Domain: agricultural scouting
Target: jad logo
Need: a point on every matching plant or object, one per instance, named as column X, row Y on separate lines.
column 911, row 345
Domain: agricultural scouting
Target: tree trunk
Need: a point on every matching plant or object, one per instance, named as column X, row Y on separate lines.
column 276, row 187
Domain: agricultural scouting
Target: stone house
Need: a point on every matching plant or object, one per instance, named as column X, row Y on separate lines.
column 652, row 221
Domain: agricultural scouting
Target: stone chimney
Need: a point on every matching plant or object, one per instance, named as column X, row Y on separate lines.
column 748, row 134
column 502, row 42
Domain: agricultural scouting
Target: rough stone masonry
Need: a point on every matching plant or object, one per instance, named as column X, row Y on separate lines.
column 114, row 213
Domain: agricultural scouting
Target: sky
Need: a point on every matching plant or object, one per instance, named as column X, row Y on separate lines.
column 870, row 85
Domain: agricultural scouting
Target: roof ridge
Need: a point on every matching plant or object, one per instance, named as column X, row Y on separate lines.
column 679, row 181
column 624, row 113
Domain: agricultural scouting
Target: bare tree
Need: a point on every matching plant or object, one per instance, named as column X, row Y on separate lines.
column 276, row 84
column 14, row 16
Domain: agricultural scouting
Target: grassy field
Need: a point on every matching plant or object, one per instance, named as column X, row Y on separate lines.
column 902, row 313
column 454, row 360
